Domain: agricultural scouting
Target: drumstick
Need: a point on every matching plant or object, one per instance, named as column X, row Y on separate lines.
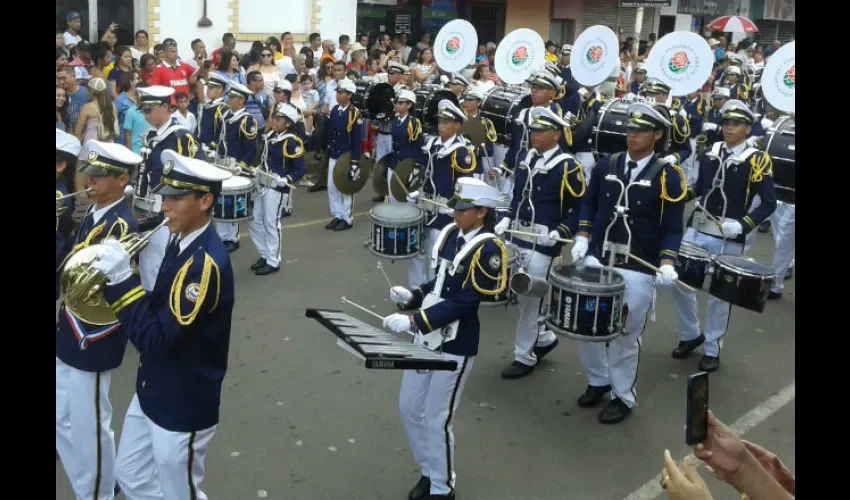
column 381, row 267
column 373, row 313
column 396, row 179
column 650, row 266
column 525, row 233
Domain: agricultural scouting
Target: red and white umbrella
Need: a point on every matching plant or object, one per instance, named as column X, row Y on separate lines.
column 732, row 24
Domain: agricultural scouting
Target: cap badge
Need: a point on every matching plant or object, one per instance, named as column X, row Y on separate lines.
column 458, row 187
column 168, row 167
column 637, row 114
column 92, row 155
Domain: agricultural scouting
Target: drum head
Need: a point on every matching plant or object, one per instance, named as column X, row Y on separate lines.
column 502, row 107
column 587, row 278
column 236, row 182
column 745, row 265
column 689, row 249
column 397, row 212
column 595, row 55
column 380, row 101
column 683, row 60
column 520, row 53
column 455, row 45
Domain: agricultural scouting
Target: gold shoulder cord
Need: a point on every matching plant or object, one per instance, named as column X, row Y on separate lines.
column 175, row 295
column 243, row 127
column 680, row 135
column 665, row 196
column 414, row 130
column 501, row 280
column 191, row 146
column 761, row 166
column 473, row 162
column 299, row 147
column 490, row 129
column 352, row 119
column 565, row 181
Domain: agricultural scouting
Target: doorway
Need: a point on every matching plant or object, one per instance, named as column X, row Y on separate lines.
column 105, row 12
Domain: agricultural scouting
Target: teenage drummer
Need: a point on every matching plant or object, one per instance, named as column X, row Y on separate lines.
column 457, row 84
column 572, row 97
column 212, row 112
column 385, row 140
column 238, row 146
column 447, row 158
column 680, row 131
column 472, row 105
column 650, row 229
column 406, row 134
column 283, row 159
column 344, row 131
column 546, row 200
column 730, row 176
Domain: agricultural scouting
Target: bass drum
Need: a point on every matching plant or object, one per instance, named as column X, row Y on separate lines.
column 502, row 106
column 609, row 133
column 374, row 100
column 427, row 98
column 781, row 144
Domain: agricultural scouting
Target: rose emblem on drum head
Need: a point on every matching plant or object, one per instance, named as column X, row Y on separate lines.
column 594, row 54
column 520, row 55
column 453, row 45
column 790, row 77
column 679, row 63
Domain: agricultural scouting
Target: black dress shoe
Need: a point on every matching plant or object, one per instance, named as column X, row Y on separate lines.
column 342, row 226
column 686, row 347
column 709, row 363
column 789, row 273
column 450, row 496
column 231, row 246
column 332, row 223
column 771, row 295
column 260, row 263
column 316, row 188
column 516, row 370
column 117, row 490
column 286, row 213
column 266, row 269
column 615, row 412
column 593, row 395
column 421, row 491
column 540, row 352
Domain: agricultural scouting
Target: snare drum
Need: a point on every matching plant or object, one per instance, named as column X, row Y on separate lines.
column 236, row 201
column 502, row 106
column 505, row 296
column 586, row 303
column 397, row 230
column 693, row 264
column 741, row 281
column 425, row 108
column 781, row 145
column 609, row 133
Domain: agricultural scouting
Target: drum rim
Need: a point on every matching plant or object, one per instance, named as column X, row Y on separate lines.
column 561, row 281
column 373, row 212
column 722, row 261
column 237, row 178
column 582, row 338
column 688, row 246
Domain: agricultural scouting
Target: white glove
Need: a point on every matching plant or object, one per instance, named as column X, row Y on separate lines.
column 582, row 92
column 401, row 295
column 709, row 127
column 547, row 240
column 275, row 181
column 503, row 224
column 753, row 142
column 683, row 113
column 413, row 197
column 731, row 228
column 397, row 322
column 113, row 262
column 629, row 97
column 666, row 276
column 579, row 248
column 671, row 159
column 444, row 79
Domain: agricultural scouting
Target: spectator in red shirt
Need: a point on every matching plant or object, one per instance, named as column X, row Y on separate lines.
column 170, row 73
column 228, row 41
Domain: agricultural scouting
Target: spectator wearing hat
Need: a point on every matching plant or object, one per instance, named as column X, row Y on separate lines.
column 72, row 36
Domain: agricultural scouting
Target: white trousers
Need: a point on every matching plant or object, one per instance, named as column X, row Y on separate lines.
column 785, row 236
column 265, row 227
column 428, row 403
column 691, row 164
column 588, row 161
column 228, row 231
column 390, row 186
column 340, row 203
column 717, row 316
column 84, row 437
column 383, row 146
column 618, row 364
column 528, row 333
column 150, row 259
column 157, row 464
column 419, row 269
column 504, row 184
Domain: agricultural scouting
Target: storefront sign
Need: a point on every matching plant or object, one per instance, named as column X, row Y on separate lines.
column 646, row 3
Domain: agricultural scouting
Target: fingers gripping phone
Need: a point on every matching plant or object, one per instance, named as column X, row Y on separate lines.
column 696, row 427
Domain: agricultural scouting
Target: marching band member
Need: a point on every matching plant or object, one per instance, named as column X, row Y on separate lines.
column 213, row 112
column 406, row 135
column 730, row 176
column 182, row 332
column 572, row 97
column 636, row 86
column 449, row 157
column 165, row 134
column 457, row 84
column 784, row 226
column 582, row 136
column 680, row 146
column 696, row 108
column 546, row 200
column 237, row 144
column 655, row 220
column 345, row 129
column 86, row 354
column 737, row 88
column 283, row 158
column 67, row 150
column 472, row 100
column 714, row 118
column 429, row 401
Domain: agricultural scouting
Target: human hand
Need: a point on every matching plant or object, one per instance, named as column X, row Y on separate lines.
column 666, row 275
column 579, row 249
column 397, row 322
column 731, row 228
column 502, row 226
column 773, row 465
column 684, row 483
column 722, row 450
column 401, row 295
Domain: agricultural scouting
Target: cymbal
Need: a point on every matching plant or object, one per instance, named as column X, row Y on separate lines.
column 341, row 179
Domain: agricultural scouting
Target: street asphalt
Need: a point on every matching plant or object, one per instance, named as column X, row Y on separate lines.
column 301, row 419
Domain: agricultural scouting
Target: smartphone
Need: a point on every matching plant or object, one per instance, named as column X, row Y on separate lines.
column 696, row 427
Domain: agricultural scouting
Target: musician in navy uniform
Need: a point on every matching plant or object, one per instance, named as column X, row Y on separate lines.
column 655, row 220
column 635, row 87
column 711, row 127
column 731, row 174
column 212, row 112
column 283, row 159
column 472, row 100
column 457, row 84
column 448, row 157
column 696, row 107
column 737, row 87
column 571, row 100
column 237, row 147
column 680, row 132
column 345, row 132
column 182, row 333
column 428, row 401
column 87, row 354
column 165, row 134
column 67, row 150
column 582, row 140
column 546, row 201
column 406, row 135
